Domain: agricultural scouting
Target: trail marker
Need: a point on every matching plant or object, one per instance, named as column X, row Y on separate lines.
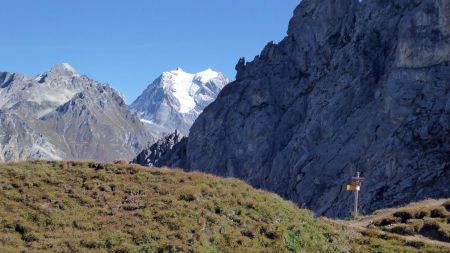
column 355, row 187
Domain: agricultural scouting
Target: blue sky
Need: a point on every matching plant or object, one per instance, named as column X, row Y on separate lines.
column 129, row 43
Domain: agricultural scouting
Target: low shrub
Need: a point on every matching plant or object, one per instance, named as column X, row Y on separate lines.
column 446, row 205
column 402, row 229
column 145, row 237
column 187, row 197
column 387, row 221
column 292, row 240
column 91, row 244
column 415, row 244
column 444, row 231
column 417, row 224
column 420, row 214
column 114, row 239
column 436, row 231
column 439, row 212
column 121, row 162
column 404, row 215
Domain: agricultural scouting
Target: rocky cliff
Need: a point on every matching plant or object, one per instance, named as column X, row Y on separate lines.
column 355, row 86
column 63, row 115
column 162, row 151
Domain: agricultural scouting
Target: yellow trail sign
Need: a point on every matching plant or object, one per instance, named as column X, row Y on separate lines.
column 350, row 187
column 355, row 187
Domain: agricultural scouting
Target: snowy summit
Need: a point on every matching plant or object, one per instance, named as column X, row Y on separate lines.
column 176, row 98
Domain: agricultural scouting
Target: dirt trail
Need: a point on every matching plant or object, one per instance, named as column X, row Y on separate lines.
column 365, row 221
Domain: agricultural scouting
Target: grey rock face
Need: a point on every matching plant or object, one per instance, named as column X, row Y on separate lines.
column 354, row 86
column 157, row 153
column 63, row 115
column 175, row 99
column 18, row 141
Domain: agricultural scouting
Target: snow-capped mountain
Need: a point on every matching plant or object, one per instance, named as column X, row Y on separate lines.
column 63, row 115
column 176, row 98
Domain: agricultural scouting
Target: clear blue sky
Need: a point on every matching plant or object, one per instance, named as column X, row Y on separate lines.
column 128, row 43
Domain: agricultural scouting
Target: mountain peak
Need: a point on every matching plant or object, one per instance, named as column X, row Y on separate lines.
column 203, row 76
column 186, row 95
column 206, row 75
column 63, row 69
column 208, row 70
column 178, row 70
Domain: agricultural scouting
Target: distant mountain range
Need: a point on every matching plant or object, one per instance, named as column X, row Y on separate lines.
column 176, row 98
column 60, row 114
column 63, row 115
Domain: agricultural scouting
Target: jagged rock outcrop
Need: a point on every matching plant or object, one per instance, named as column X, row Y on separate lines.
column 63, row 115
column 356, row 85
column 175, row 99
column 157, row 153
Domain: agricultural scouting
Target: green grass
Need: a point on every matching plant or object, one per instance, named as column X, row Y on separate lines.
column 93, row 207
column 376, row 242
column 429, row 222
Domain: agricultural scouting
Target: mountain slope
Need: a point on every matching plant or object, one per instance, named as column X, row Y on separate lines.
column 95, row 207
column 156, row 154
column 74, row 115
column 18, row 141
column 176, row 98
column 356, row 85
column 424, row 222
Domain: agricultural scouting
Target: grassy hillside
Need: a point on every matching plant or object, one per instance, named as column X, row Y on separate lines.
column 423, row 226
column 429, row 221
column 92, row 207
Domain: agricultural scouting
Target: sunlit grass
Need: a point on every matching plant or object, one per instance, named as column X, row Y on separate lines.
column 86, row 206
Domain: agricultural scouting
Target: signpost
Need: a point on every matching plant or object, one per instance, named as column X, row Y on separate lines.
column 355, row 187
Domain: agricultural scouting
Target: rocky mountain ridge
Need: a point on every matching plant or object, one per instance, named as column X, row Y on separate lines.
column 355, row 86
column 63, row 115
column 153, row 155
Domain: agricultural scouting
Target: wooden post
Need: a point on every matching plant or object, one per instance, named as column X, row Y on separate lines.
column 355, row 211
column 356, row 187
